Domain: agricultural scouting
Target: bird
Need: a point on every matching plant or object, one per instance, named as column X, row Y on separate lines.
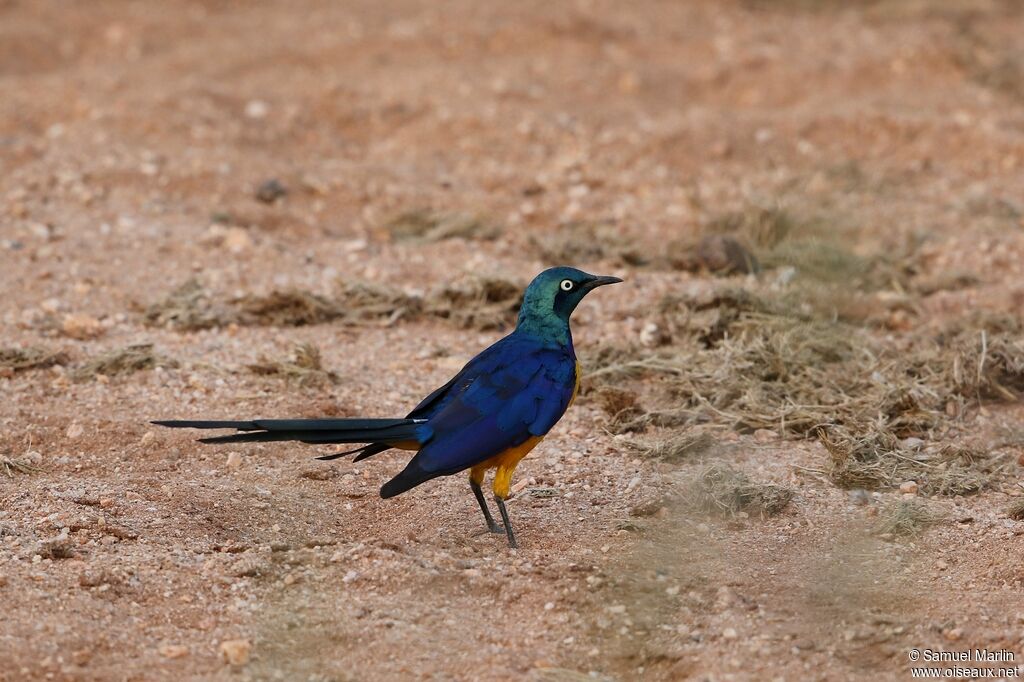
column 490, row 415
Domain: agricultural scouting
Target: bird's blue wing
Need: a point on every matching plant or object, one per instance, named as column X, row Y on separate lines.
column 486, row 362
column 519, row 391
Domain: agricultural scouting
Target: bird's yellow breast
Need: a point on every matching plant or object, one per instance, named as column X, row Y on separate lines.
column 507, row 461
column 576, row 388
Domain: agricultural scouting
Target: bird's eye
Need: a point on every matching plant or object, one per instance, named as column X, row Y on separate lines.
column 566, row 285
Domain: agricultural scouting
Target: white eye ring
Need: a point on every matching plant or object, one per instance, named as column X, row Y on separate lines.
column 566, row 285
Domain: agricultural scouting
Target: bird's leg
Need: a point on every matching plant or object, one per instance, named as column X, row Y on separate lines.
column 502, row 486
column 479, row 494
column 508, row 524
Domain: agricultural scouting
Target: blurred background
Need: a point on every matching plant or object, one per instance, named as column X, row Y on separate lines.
column 324, row 208
column 160, row 120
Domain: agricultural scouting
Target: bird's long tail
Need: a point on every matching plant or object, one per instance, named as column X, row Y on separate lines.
column 380, row 432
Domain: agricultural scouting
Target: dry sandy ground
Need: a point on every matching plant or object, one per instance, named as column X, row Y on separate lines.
column 132, row 138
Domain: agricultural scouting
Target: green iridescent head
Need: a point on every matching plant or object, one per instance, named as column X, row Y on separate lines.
column 551, row 298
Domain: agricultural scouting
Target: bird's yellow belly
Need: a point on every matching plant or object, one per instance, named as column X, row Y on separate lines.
column 576, row 388
column 507, row 461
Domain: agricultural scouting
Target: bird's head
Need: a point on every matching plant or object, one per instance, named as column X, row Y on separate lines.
column 554, row 294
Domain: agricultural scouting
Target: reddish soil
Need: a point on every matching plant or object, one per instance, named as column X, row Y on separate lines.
column 129, row 131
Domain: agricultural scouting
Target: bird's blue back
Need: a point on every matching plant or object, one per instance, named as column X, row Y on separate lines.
column 516, row 389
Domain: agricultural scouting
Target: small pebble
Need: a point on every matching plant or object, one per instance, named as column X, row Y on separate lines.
column 236, row 651
column 651, row 335
column 270, row 191
column 173, row 651
column 81, row 327
column 859, row 497
column 256, row 109
column 237, row 240
column 908, row 487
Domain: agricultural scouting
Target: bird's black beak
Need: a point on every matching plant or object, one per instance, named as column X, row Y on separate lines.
column 600, row 282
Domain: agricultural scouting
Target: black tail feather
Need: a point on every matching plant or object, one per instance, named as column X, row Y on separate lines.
column 364, row 452
column 374, row 431
column 408, row 478
column 289, row 424
column 240, row 425
column 371, row 450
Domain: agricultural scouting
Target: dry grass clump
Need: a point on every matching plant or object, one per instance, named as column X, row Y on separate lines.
column 871, row 460
column 31, row 357
column 809, row 254
column 432, row 226
column 710, row 319
column 585, row 242
column 986, row 365
column 907, row 518
column 364, row 302
column 304, row 365
column 751, row 362
column 878, row 459
column 17, row 465
column 779, row 373
column 121, row 361
column 720, row 489
column 608, row 362
column 676, row 448
column 671, row 418
column 926, row 285
column 773, row 237
column 961, row 470
column 717, row 253
column 188, row 308
column 729, row 243
column 621, row 405
column 290, row 308
column 760, row 226
column 353, row 302
column 482, row 303
column 615, row 400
